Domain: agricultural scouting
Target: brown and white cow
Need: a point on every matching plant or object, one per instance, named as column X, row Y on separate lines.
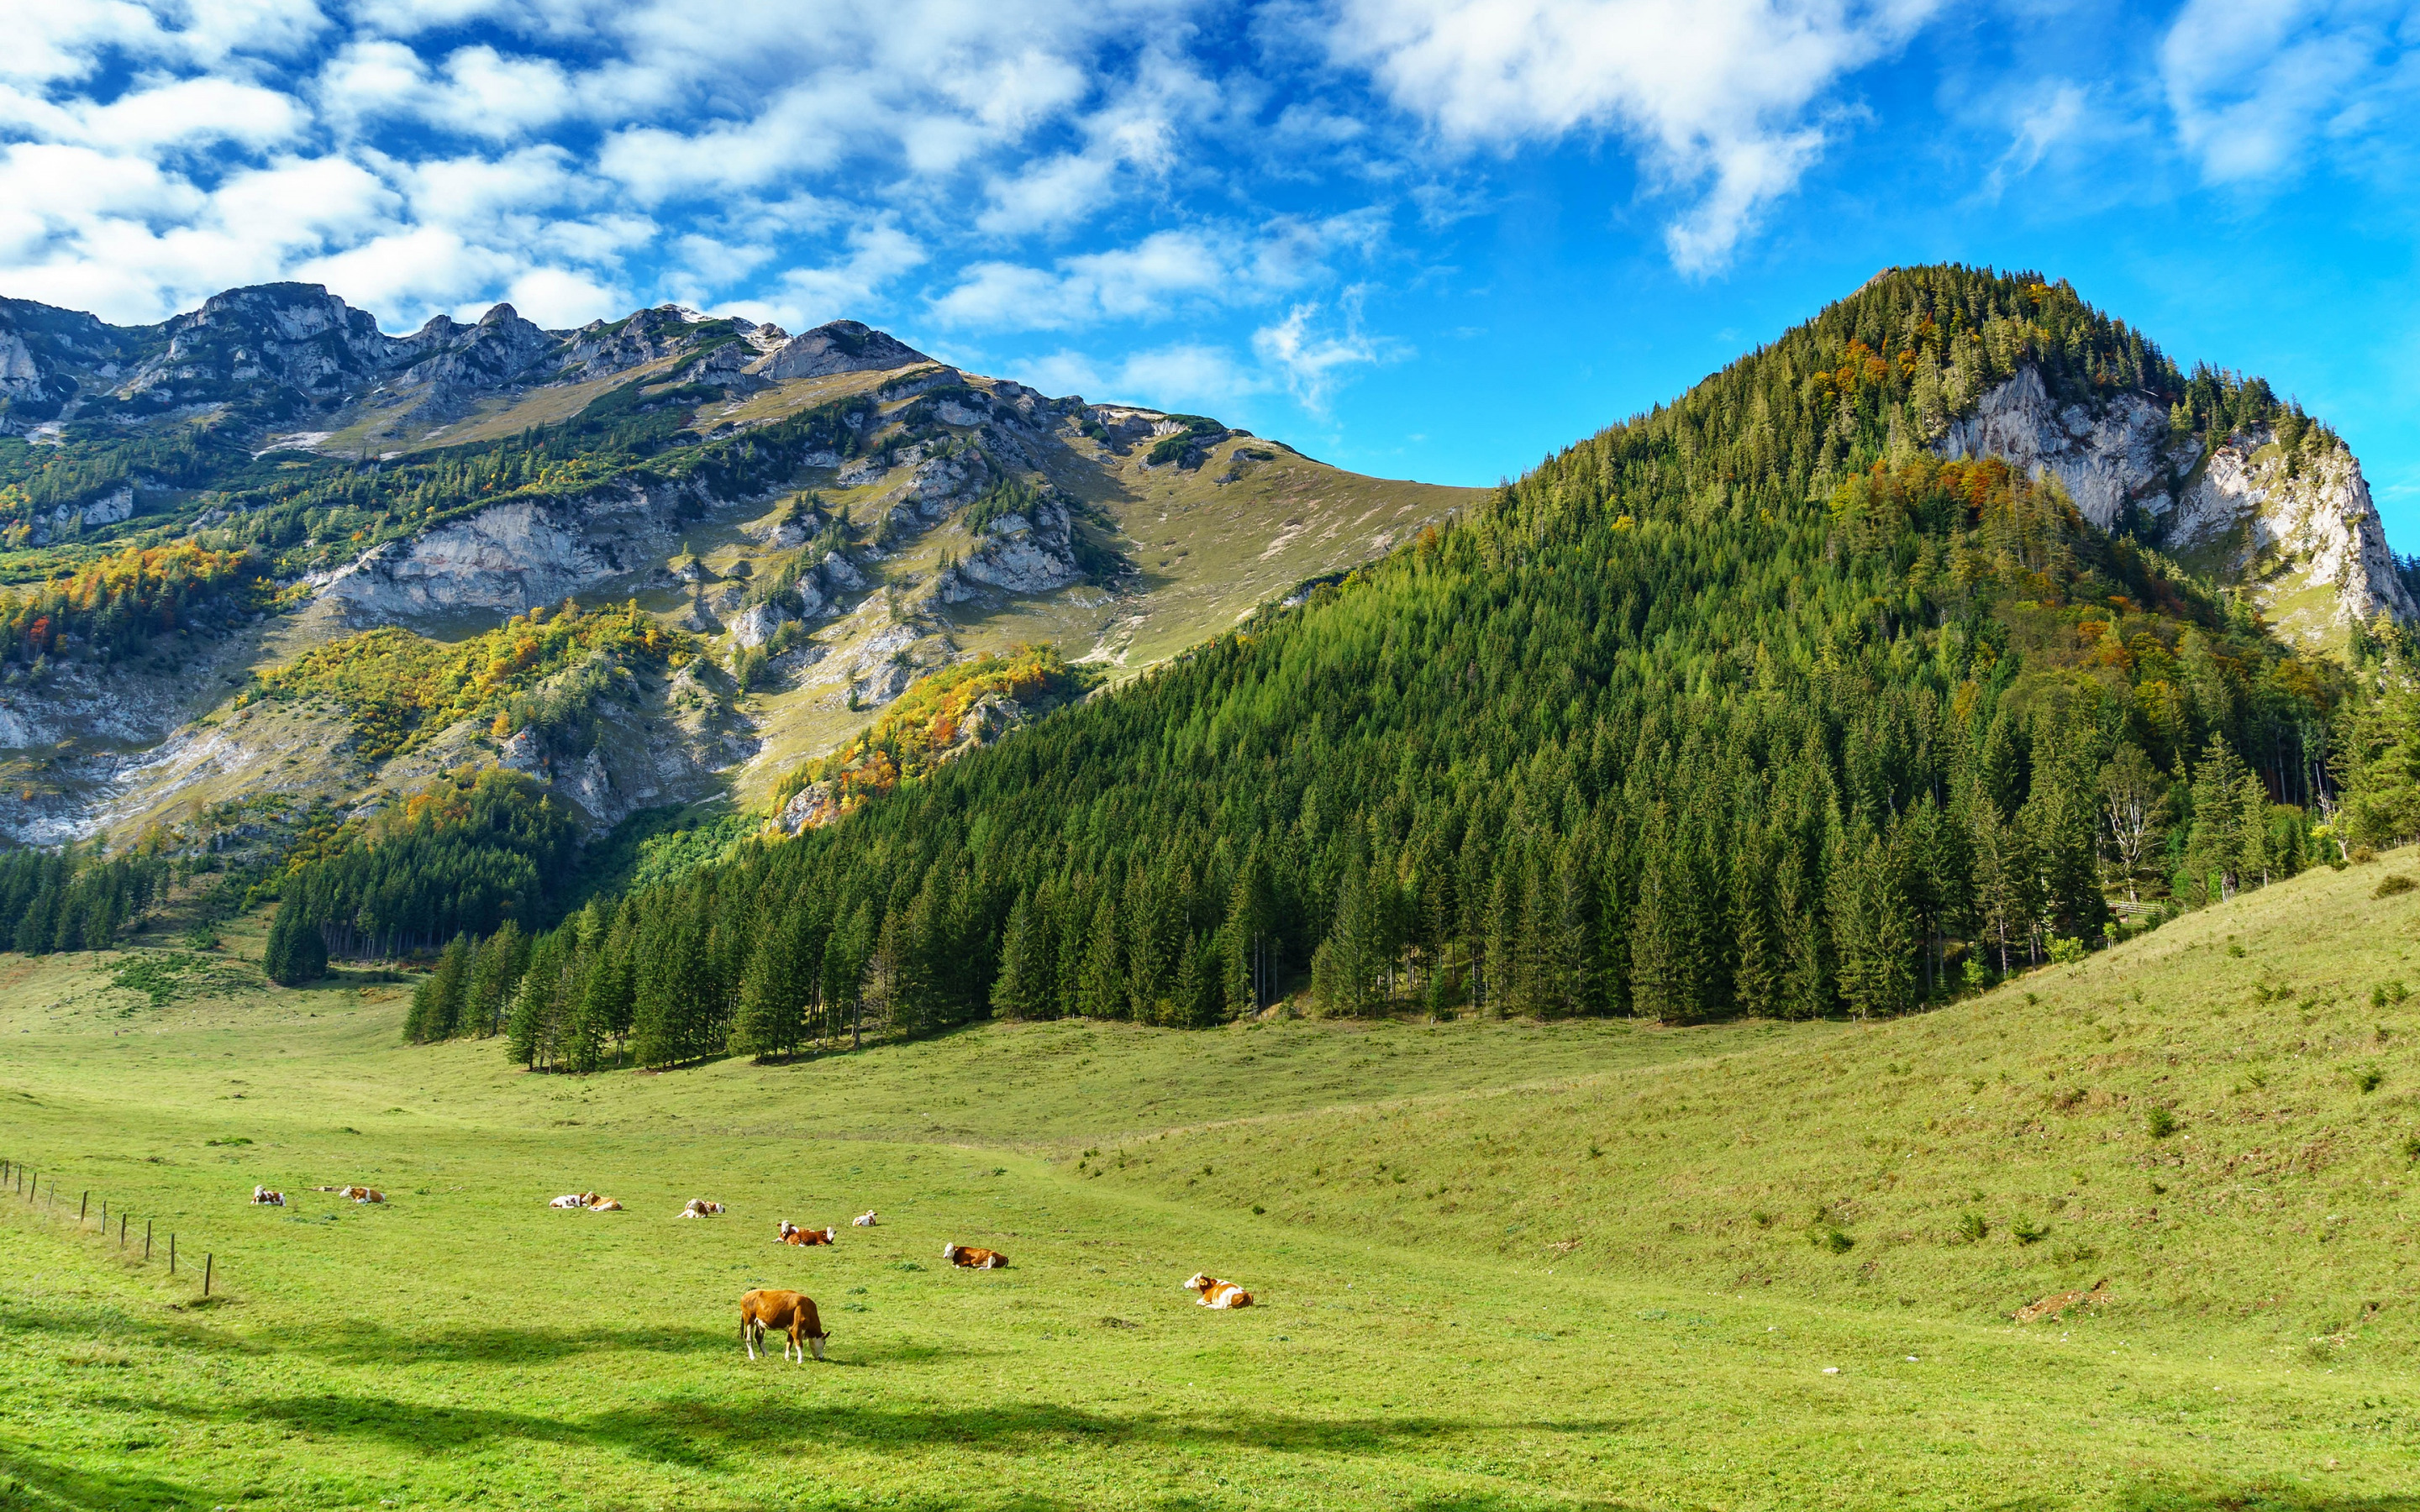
column 700, row 1208
column 358, row 1194
column 864, row 1220
column 264, row 1197
column 972, row 1258
column 792, row 1312
column 604, row 1205
column 1217, row 1293
column 790, row 1233
column 573, row 1200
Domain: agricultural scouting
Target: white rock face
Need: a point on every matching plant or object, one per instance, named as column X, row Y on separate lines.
column 503, row 558
column 756, row 624
column 20, row 375
column 107, row 510
column 841, row 346
column 2103, row 460
column 520, row 752
column 2308, row 542
column 1027, row 556
column 2312, row 540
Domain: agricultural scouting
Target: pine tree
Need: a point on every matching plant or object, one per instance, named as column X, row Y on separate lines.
column 1022, row 990
column 1668, row 951
column 1102, row 984
column 1873, row 933
column 1757, row 967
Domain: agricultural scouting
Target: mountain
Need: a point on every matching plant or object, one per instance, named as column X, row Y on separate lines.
column 321, row 515
column 1803, row 694
column 1766, row 703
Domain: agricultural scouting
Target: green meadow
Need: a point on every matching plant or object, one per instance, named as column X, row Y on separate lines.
column 1499, row 1265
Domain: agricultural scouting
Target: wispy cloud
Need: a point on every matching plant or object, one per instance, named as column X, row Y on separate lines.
column 2253, row 84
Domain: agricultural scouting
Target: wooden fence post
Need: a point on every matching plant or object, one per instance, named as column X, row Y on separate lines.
column 172, row 1255
column 208, row 1261
column 83, row 1205
column 147, row 1239
column 121, row 1230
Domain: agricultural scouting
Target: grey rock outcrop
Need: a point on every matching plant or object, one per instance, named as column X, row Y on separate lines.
column 838, row 346
column 504, row 559
column 757, row 623
column 2106, row 458
column 1026, row 554
column 2301, row 532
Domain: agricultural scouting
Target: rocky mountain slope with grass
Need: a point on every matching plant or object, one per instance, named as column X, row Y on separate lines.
column 811, row 522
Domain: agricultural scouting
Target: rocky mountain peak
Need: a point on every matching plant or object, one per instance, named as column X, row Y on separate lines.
column 2294, row 525
column 839, row 346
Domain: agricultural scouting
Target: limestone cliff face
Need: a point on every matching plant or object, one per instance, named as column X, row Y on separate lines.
column 2298, row 529
column 502, row 560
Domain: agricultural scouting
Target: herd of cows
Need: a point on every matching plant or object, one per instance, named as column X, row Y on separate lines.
column 792, row 1314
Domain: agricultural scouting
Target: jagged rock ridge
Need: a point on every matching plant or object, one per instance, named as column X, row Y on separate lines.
column 2298, row 531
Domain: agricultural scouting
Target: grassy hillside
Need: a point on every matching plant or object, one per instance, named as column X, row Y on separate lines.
column 1414, row 1348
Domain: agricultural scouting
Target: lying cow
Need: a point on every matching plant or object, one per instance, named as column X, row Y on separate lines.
column 358, row 1194
column 573, row 1200
column 792, row 1312
column 973, row 1259
column 864, row 1220
column 604, row 1205
column 700, row 1208
column 790, row 1233
column 267, row 1198
column 1217, row 1293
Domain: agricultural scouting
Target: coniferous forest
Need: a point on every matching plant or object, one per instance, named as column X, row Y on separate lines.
column 1750, row 706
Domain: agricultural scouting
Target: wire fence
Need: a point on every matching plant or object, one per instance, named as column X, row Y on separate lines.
column 21, row 1183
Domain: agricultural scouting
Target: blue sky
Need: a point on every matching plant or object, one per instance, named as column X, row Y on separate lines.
column 1432, row 239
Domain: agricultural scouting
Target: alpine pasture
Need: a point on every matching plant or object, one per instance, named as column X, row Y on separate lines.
column 1494, row 1265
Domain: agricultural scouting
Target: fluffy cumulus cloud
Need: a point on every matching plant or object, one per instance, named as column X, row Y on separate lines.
column 1718, row 97
column 424, row 155
column 1190, row 205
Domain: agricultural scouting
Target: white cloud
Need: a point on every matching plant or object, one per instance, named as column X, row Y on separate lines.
column 1313, row 360
column 423, row 269
column 1048, row 195
column 1060, row 372
column 1184, row 375
column 475, row 91
column 2054, row 114
column 2252, row 83
column 1163, row 275
column 557, row 298
column 848, row 287
column 184, row 113
column 1715, row 94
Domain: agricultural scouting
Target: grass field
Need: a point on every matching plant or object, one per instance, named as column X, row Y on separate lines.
column 1500, row 1266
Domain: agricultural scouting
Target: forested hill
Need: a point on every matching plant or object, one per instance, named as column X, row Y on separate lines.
column 1751, row 705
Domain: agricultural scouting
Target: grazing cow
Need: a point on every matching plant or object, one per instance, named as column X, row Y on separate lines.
column 604, row 1205
column 791, row 1233
column 864, row 1220
column 973, row 1259
column 573, row 1200
column 792, row 1312
column 267, row 1198
column 1217, row 1293
column 700, row 1208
